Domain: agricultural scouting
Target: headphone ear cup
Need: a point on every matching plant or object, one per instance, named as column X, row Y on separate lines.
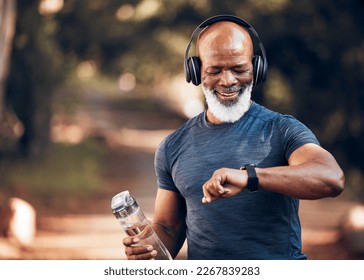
column 257, row 69
column 194, row 72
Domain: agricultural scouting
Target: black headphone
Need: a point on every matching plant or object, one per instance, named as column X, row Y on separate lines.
column 193, row 64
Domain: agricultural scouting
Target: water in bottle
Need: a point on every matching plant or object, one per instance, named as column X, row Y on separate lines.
column 134, row 223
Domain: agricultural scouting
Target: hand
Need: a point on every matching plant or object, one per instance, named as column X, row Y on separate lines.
column 135, row 252
column 225, row 182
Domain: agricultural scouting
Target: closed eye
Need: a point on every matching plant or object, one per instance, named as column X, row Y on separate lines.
column 242, row 71
column 213, row 72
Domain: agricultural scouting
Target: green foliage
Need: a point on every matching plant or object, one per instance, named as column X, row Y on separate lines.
column 67, row 172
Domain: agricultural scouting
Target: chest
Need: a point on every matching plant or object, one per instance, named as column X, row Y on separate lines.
column 204, row 152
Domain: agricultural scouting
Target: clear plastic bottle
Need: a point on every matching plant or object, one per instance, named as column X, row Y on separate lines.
column 133, row 221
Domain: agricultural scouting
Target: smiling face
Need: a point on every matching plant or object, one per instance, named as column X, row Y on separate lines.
column 225, row 50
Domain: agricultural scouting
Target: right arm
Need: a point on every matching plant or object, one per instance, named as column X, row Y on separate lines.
column 168, row 222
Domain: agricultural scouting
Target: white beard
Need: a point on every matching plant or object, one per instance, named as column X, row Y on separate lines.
column 232, row 112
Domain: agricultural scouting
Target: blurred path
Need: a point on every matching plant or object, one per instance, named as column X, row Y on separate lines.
column 131, row 134
column 131, row 137
column 98, row 236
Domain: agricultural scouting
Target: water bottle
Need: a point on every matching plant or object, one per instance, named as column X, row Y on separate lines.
column 133, row 221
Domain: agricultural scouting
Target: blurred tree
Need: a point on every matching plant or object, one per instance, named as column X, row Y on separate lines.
column 34, row 74
column 7, row 24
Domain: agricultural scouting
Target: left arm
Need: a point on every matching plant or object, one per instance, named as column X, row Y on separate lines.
column 312, row 173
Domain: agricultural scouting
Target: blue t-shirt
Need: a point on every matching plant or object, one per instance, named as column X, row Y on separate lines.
column 259, row 225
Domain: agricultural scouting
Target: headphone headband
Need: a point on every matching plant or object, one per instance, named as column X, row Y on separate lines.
column 218, row 18
column 238, row 21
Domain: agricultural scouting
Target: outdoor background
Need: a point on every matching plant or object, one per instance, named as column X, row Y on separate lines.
column 89, row 88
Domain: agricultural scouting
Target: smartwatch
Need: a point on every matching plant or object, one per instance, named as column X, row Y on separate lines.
column 253, row 180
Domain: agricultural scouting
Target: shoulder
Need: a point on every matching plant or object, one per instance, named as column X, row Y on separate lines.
column 291, row 133
column 182, row 132
column 278, row 119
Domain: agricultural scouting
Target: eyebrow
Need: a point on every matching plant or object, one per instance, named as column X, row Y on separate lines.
column 234, row 66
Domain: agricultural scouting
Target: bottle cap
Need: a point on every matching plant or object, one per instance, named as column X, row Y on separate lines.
column 123, row 204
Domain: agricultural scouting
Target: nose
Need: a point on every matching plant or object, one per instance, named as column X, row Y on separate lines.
column 227, row 79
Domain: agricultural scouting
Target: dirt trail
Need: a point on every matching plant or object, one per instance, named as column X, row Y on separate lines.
column 129, row 165
column 98, row 236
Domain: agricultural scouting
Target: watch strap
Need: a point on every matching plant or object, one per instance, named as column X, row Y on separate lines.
column 253, row 181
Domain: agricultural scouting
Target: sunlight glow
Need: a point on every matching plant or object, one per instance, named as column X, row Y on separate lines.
column 49, row 7
column 186, row 96
column 147, row 9
column 86, row 69
column 23, row 221
column 125, row 12
column 357, row 217
column 67, row 133
column 127, row 82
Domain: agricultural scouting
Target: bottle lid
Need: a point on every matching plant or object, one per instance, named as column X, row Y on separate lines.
column 123, row 204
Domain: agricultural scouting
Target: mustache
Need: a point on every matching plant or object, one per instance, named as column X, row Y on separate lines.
column 230, row 89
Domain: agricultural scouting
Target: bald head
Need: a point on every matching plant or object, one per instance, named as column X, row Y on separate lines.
column 225, row 36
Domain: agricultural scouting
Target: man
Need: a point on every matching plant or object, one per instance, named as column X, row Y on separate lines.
column 228, row 212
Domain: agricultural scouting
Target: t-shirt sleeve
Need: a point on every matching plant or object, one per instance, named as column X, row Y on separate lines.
column 294, row 134
column 163, row 169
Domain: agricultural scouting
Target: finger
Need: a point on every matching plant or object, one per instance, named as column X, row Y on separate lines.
column 214, row 190
column 138, row 250
column 217, row 189
column 143, row 256
column 209, row 198
column 130, row 240
column 206, row 195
